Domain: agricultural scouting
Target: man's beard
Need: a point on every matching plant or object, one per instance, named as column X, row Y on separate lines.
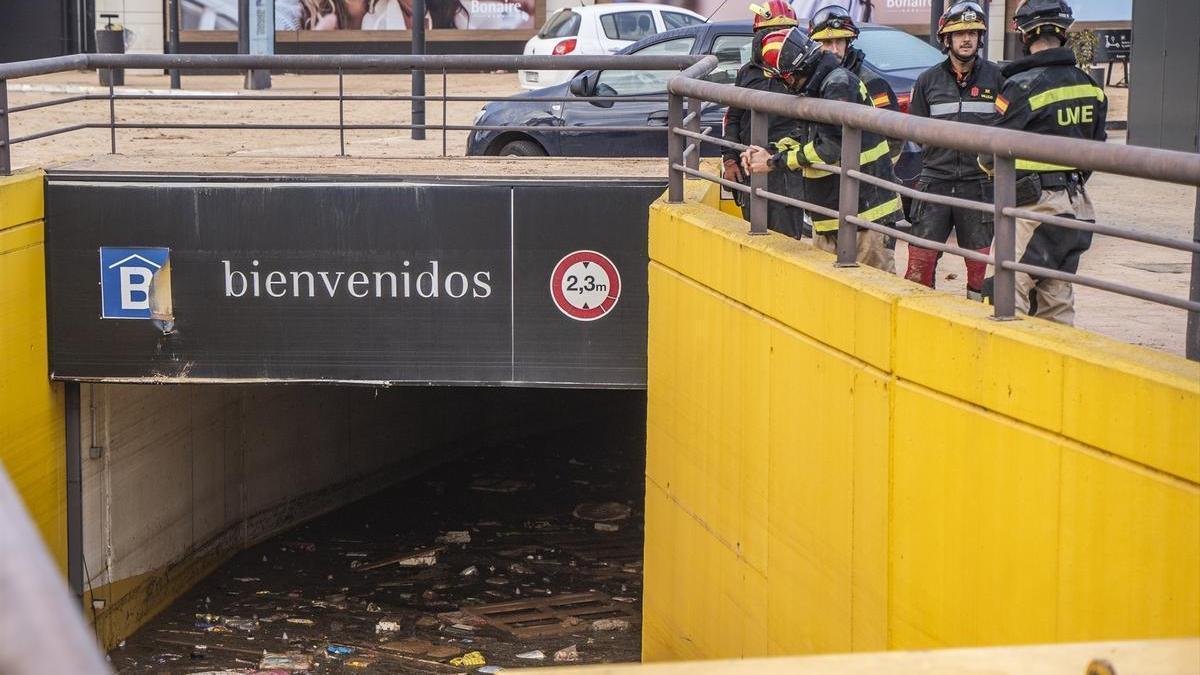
column 965, row 59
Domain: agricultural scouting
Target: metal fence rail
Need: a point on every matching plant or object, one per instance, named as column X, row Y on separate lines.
column 339, row 64
column 1004, row 145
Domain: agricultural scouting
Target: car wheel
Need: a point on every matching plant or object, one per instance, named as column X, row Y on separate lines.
column 522, row 149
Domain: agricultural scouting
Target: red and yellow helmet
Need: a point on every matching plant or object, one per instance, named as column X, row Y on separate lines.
column 789, row 53
column 774, row 14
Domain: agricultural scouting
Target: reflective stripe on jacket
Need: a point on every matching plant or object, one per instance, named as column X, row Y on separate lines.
column 814, row 143
column 939, row 94
column 1047, row 94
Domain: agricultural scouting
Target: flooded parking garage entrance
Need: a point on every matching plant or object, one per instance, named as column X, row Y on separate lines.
column 524, row 551
column 245, row 352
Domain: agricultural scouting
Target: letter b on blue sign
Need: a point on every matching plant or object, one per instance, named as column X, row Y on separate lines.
column 125, row 278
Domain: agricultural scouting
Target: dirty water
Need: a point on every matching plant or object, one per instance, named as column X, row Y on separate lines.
column 524, row 554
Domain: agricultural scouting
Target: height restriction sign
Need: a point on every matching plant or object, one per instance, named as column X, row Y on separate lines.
column 585, row 285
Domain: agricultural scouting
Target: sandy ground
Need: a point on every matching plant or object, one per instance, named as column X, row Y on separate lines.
column 1144, row 205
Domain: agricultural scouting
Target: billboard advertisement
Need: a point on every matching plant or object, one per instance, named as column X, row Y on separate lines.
column 366, row 15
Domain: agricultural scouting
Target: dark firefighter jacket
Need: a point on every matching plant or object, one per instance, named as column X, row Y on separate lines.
column 815, row 143
column 878, row 90
column 1047, row 94
column 939, row 94
column 737, row 120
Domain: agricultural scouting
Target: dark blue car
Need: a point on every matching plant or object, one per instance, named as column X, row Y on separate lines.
column 896, row 55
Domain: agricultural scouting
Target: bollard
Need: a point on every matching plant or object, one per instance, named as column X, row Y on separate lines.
column 111, row 40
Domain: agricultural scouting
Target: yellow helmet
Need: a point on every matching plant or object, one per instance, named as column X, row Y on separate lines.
column 962, row 16
column 832, row 22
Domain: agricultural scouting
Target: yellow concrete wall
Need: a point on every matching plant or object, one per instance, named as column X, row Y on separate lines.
column 839, row 460
column 32, row 433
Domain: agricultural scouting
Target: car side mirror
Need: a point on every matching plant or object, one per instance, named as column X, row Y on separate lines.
column 582, row 84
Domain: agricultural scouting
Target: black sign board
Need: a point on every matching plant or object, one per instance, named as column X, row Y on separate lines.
column 388, row 281
column 1113, row 45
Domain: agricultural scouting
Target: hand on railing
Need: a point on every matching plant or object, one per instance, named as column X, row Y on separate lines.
column 756, row 160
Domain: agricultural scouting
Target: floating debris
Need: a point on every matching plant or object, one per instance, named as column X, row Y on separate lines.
column 603, row 512
column 469, row 660
column 387, row 627
column 291, row 661
column 500, row 485
column 455, row 537
column 567, row 654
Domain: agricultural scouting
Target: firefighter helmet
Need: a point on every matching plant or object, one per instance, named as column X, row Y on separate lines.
column 789, row 54
column 962, row 16
column 832, row 22
column 1035, row 18
column 774, row 14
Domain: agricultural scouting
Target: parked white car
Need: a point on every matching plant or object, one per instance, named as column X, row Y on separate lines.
column 598, row 29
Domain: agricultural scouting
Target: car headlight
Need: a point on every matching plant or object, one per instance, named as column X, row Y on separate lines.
column 479, row 115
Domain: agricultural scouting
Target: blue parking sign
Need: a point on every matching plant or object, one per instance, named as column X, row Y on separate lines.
column 126, row 277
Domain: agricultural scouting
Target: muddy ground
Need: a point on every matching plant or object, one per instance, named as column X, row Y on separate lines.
column 1139, row 204
column 503, row 525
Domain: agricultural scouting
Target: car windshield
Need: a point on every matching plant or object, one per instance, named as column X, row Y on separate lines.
column 636, row 82
column 896, row 50
column 564, row 23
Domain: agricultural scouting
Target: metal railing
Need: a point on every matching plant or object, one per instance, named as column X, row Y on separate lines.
column 41, row 627
column 1005, row 146
column 339, row 64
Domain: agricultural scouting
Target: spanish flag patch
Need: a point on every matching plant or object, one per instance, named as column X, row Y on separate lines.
column 1001, row 104
column 880, row 100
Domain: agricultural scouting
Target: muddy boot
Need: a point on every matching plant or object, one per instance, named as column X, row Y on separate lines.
column 975, row 272
column 922, row 265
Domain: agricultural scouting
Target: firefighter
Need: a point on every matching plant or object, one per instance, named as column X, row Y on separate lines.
column 788, row 220
column 1046, row 93
column 834, row 29
column 807, row 70
column 963, row 88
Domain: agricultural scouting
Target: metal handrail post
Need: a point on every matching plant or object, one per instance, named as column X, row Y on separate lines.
column 1004, row 289
column 341, row 116
column 5, row 155
column 418, row 74
column 674, row 149
column 847, row 234
column 1192, row 349
column 173, row 39
column 112, row 117
column 758, row 181
column 445, row 92
column 693, row 160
